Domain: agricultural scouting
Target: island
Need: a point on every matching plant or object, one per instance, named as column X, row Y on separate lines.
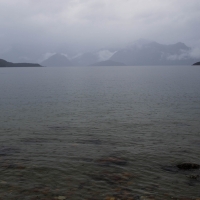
column 198, row 63
column 4, row 63
column 108, row 63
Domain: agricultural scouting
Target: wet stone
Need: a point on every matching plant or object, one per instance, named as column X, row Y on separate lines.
column 195, row 177
column 188, row 166
column 192, row 183
column 147, row 198
column 122, row 196
column 110, row 198
column 113, row 178
column 60, row 198
column 12, row 166
column 3, row 182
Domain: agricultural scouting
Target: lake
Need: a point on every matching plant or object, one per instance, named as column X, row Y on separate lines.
column 99, row 133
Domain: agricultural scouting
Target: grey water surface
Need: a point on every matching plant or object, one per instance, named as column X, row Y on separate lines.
column 63, row 131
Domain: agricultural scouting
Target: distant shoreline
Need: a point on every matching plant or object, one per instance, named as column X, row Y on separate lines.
column 4, row 63
column 197, row 63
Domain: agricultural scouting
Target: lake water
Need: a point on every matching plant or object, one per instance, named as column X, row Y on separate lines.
column 99, row 133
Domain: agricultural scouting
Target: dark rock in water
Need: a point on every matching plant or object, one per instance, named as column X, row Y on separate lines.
column 191, row 183
column 170, row 169
column 6, row 151
column 114, row 177
column 198, row 63
column 194, row 177
column 12, row 166
column 112, row 160
column 188, row 166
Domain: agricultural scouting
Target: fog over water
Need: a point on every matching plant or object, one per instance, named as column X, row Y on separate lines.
column 32, row 30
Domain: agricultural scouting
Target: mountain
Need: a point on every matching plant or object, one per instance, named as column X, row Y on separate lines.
column 108, row 63
column 90, row 58
column 4, row 63
column 57, row 60
column 140, row 52
column 153, row 53
column 85, row 59
column 198, row 63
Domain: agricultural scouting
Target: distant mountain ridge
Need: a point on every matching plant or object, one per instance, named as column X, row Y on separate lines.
column 57, row 60
column 89, row 58
column 153, row 53
column 85, row 59
column 4, row 63
column 141, row 52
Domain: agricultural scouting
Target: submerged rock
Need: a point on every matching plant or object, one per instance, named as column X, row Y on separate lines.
column 147, row 198
column 112, row 160
column 195, row 177
column 123, row 194
column 172, row 169
column 60, row 198
column 111, row 178
column 6, row 151
column 188, row 166
column 110, row 198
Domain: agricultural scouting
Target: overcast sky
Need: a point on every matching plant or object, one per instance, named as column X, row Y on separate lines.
column 48, row 26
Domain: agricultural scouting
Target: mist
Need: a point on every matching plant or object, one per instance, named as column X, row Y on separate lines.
column 33, row 29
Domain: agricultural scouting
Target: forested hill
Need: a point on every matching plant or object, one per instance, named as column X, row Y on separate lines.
column 198, row 63
column 4, row 63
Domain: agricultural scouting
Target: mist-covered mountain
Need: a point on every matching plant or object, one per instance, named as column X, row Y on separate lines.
column 141, row 52
column 57, row 60
column 89, row 58
column 153, row 53
column 4, row 63
column 84, row 59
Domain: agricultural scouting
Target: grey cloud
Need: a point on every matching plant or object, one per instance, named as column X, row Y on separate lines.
column 183, row 55
column 193, row 53
column 105, row 55
column 73, row 26
column 46, row 56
